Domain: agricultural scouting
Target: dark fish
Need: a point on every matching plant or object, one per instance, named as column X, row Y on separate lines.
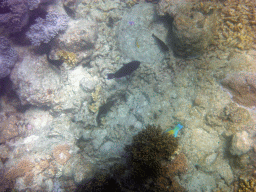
column 161, row 44
column 46, row 48
column 57, row 63
column 153, row 1
column 127, row 69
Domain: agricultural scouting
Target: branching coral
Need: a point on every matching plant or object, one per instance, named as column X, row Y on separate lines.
column 247, row 186
column 237, row 24
column 151, row 144
column 149, row 147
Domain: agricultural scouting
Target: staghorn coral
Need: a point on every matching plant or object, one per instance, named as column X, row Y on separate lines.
column 236, row 22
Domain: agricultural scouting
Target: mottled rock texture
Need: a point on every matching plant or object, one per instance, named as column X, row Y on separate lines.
column 242, row 87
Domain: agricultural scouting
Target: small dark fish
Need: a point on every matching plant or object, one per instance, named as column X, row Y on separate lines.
column 46, row 48
column 161, row 44
column 153, row 1
column 56, row 63
column 127, row 69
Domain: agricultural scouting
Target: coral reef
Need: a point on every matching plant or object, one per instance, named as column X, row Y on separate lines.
column 61, row 154
column 247, row 186
column 14, row 14
column 131, row 3
column 192, row 31
column 135, row 34
column 171, row 7
column 237, row 24
column 8, row 57
column 151, row 144
column 68, row 57
column 23, row 168
column 179, row 165
column 70, row 6
column 146, row 168
column 46, row 29
column 149, row 148
column 226, row 24
column 79, row 38
column 241, row 143
column 9, row 127
column 94, row 107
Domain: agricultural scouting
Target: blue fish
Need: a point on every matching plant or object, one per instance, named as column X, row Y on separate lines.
column 127, row 69
column 175, row 130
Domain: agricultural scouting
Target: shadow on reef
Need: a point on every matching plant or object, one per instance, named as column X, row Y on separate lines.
column 9, row 96
column 143, row 168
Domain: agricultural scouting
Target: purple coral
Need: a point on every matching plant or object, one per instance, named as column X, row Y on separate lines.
column 46, row 29
column 8, row 57
column 14, row 14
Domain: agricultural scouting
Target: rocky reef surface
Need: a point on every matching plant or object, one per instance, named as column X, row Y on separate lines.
column 63, row 124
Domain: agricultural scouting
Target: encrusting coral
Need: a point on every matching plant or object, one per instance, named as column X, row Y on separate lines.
column 94, row 107
column 68, row 57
